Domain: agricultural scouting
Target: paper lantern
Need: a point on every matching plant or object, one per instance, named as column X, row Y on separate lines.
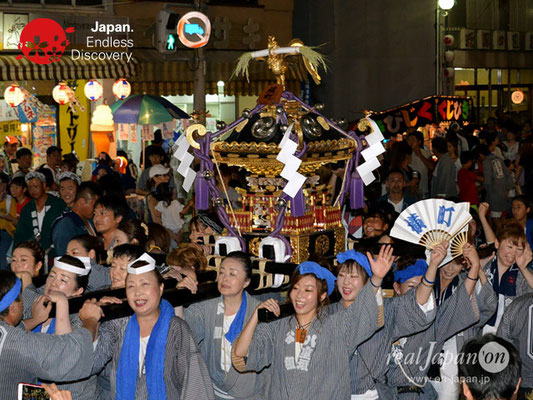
column 13, row 95
column 93, row 90
column 121, row 89
column 61, row 93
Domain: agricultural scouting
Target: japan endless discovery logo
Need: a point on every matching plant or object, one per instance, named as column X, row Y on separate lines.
column 43, row 41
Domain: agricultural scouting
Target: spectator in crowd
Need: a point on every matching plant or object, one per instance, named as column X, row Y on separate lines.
column 37, row 217
column 109, row 211
column 156, row 157
column 155, row 146
column 8, row 209
column 78, row 220
column 452, row 141
column 395, row 184
column 400, row 158
column 24, row 160
column 70, row 162
column 511, row 146
column 497, row 181
column 130, row 175
column 482, row 384
column 158, row 174
column 19, row 192
column 375, row 223
column 421, row 161
column 223, row 185
column 53, row 159
column 68, row 186
column 131, row 231
column 11, row 144
column 444, row 179
column 467, row 179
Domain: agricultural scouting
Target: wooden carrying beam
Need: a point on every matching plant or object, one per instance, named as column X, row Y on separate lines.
column 207, row 289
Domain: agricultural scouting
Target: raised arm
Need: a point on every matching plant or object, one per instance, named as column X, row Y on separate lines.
column 472, row 259
column 487, row 229
column 63, row 325
column 425, row 289
column 523, row 261
column 242, row 343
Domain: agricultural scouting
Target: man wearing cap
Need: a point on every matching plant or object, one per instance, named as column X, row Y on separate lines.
column 37, row 217
column 11, row 144
column 156, row 158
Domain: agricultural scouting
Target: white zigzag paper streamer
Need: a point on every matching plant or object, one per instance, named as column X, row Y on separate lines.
column 185, row 160
column 286, row 156
column 371, row 153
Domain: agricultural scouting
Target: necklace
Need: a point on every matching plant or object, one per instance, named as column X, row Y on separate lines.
column 301, row 331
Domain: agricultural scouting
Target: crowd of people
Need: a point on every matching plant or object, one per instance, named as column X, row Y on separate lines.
column 446, row 332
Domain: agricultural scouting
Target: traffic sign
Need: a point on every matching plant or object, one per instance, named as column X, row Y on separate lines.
column 194, row 29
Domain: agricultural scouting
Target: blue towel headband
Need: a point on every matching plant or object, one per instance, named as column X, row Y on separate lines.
column 356, row 256
column 11, row 295
column 419, row 268
column 310, row 267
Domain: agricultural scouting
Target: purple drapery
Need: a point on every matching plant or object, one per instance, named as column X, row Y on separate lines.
column 354, row 186
column 206, row 189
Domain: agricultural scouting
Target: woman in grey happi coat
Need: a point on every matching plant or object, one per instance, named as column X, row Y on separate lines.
column 27, row 356
column 309, row 353
column 217, row 322
column 153, row 354
column 404, row 315
column 68, row 278
column 412, row 356
column 448, row 279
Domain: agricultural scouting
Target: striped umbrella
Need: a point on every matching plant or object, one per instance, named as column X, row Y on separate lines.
column 145, row 110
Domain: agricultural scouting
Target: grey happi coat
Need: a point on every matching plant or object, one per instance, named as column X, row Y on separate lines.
column 517, row 328
column 403, row 317
column 27, row 357
column 459, row 312
column 206, row 321
column 322, row 370
column 186, row 376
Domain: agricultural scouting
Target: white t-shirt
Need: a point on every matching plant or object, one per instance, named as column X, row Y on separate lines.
column 170, row 216
column 143, row 344
column 397, row 206
column 225, row 349
column 40, row 217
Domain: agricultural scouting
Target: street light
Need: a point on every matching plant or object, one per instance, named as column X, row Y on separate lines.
column 446, row 4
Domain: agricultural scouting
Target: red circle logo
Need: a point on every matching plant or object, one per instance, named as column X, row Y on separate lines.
column 43, row 41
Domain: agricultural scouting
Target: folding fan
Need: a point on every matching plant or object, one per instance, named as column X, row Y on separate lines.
column 433, row 221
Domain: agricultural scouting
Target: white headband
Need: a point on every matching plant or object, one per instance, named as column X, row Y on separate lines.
column 143, row 269
column 74, row 269
column 69, row 175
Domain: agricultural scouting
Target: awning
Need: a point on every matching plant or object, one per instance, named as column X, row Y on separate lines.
column 165, row 78
column 66, row 68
